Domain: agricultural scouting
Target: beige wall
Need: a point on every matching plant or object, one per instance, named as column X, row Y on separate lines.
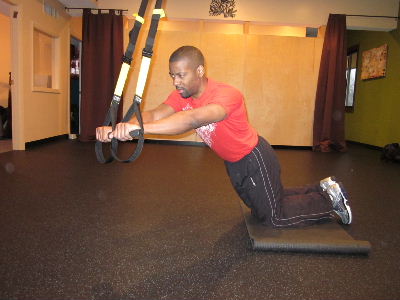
column 279, row 81
column 5, row 58
column 277, row 74
column 76, row 27
column 275, row 67
column 39, row 113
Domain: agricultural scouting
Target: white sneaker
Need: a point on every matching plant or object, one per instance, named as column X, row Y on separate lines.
column 338, row 195
column 327, row 182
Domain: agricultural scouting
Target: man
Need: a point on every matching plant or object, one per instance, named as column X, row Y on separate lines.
column 217, row 112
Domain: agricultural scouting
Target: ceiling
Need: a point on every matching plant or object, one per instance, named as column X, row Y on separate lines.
column 80, row 3
column 130, row 5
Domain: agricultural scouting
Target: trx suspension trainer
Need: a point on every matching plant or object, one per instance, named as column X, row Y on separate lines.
column 134, row 109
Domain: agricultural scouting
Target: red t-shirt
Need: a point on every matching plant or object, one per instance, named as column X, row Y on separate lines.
column 232, row 138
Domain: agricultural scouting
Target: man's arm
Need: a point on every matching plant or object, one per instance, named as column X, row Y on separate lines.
column 184, row 121
column 104, row 133
column 160, row 112
column 175, row 123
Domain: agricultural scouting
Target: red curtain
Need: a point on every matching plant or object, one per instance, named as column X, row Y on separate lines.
column 328, row 131
column 8, row 129
column 102, row 50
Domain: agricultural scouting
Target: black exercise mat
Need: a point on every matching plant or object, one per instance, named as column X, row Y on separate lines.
column 323, row 238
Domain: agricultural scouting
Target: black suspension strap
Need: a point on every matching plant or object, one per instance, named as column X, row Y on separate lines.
column 134, row 109
column 111, row 116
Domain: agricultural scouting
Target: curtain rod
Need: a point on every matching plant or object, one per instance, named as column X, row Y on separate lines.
column 367, row 16
column 95, row 8
column 390, row 17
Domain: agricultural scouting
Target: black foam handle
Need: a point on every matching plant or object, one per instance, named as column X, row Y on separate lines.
column 135, row 133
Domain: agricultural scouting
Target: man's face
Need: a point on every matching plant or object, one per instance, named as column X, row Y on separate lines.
column 186, row 78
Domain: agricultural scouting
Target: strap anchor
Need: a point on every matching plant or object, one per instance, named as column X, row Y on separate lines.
column 138, row 18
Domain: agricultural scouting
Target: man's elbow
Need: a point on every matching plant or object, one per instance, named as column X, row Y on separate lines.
column 194, row 124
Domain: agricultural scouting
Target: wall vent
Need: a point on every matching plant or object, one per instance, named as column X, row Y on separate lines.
column 50, row 10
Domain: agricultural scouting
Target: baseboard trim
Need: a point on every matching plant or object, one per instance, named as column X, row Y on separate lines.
column 46, row 140
column 171, row 142
column 195, row 144
column 202, row 144
column 364, row 145
column 291, row 147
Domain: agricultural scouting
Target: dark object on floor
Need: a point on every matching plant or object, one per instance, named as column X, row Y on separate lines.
column 3, row 122
column 391, row 152
column 322, row 238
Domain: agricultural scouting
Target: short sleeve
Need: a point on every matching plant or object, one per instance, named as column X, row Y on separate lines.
column 173, row 100
column 228, row 97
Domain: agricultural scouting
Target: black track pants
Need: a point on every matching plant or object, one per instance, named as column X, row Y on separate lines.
column 256, row 179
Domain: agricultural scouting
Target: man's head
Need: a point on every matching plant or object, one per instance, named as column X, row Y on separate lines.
column 186, row 68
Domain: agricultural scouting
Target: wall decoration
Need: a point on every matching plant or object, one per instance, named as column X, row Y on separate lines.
column 374, row 63
column 226, row 7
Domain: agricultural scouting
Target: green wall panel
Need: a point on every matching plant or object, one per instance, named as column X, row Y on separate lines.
column 376, row 117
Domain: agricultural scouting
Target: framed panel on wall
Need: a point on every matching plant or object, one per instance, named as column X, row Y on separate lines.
column 374, row 63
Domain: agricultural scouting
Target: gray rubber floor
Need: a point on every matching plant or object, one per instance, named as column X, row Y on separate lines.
column 169, row 226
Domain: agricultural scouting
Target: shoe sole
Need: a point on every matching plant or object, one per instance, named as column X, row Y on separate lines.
column 345, row 201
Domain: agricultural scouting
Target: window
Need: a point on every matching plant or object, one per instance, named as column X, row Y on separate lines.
column 44, row 60
column 351, row 76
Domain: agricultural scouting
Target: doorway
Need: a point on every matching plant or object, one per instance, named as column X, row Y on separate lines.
column 5, row 78
column 75, row 86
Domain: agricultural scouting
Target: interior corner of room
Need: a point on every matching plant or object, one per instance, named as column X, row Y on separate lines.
column 274, row 59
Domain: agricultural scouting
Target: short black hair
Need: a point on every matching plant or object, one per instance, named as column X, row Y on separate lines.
column 189, row 52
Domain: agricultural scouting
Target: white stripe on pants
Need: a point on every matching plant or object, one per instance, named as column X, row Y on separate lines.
column 256, row 179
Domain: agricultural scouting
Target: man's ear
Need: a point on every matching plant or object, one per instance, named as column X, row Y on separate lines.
column 200, row 70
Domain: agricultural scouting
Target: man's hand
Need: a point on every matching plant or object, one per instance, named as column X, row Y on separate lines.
column 122, row 130
column 104, row 134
